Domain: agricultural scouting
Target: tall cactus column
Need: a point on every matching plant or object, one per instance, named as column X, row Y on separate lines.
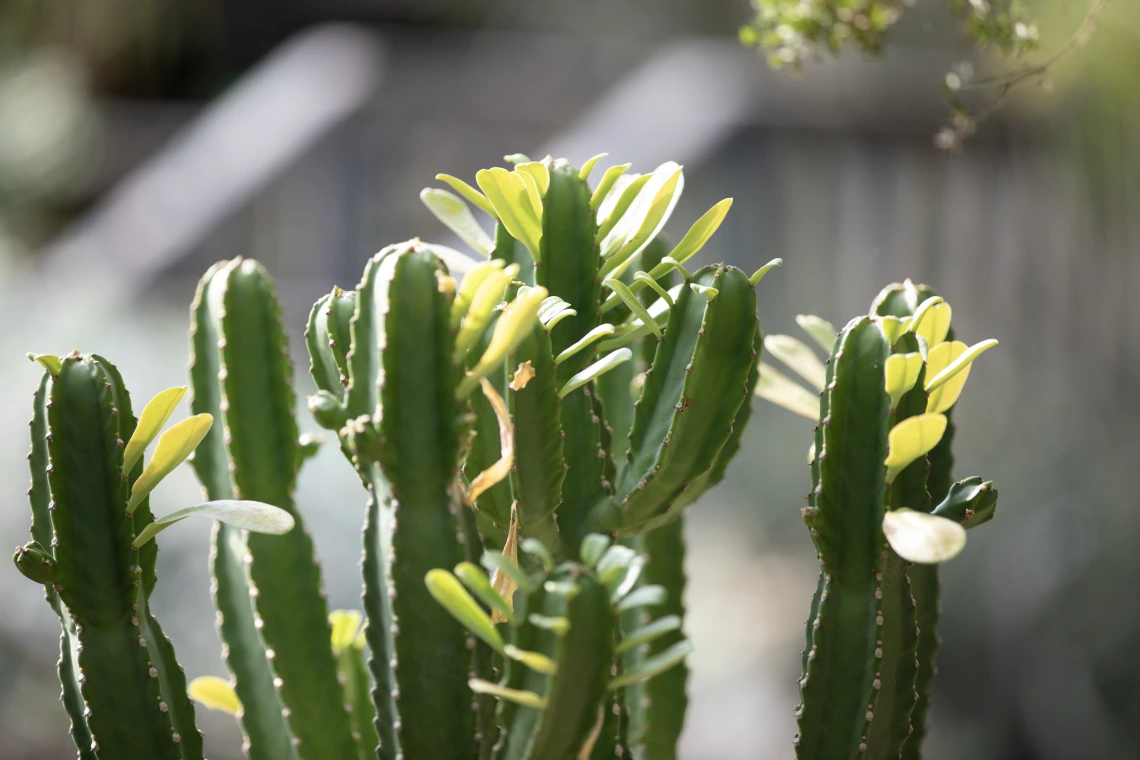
column 272, row 613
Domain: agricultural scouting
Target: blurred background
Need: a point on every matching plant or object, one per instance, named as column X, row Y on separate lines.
column 142, row 140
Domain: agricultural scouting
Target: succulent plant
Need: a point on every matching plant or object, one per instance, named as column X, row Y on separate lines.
column 94, row 550
column 528, row 438
column 882, row 514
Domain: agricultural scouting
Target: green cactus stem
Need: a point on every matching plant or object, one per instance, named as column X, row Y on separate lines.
column 267, row 589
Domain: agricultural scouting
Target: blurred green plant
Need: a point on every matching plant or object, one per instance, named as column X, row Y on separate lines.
column 794, row 31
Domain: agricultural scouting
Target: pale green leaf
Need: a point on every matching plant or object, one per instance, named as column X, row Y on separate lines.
column 652, row 284
column 954, row 371
column 479, row 584
column 701, row 231
column 594, row 546
column 588, row 167
column 931, row 321
column 536, row 661
column 173, row 447
column 516, row 158
column 781, row 390
column 606, row 184
column 508, row 193
column 653, row 666
column 517, row 696
column 597, row 369
column 633, row 304
column 517, row 319
column 893, row 328
column 154, row 415
column 708, row 292
column 597, row 333
column 490, row 284
column 758, row 275
column 215, row 694
column 539, row 172
column 923, row 538
column 900, row 375
column 465, row 296
column 50, row 362
column 818, row 329
column 798, row 357
column 650, row 632
column 253, row 516
column 617, row 204
column 446, row 589
column 646, row 596
column 450, row 209
column 533, row 194
column 658, row 200
column 912, row 438
column 470, row 193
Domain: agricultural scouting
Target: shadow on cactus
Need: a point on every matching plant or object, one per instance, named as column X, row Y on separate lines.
column 882, row 514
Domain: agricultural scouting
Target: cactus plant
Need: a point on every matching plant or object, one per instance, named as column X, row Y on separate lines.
column 528, row 439
column 501, row 398
column 880, row 453
column 94, row 551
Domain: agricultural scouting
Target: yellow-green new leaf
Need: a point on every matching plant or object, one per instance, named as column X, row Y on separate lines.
column 606, row 184
column 931, row 321
column 701, row 231
column 912, row 438
column 653, row 210
column 536, row 661
column 946, row 385
column 446, row 589
column 515, row 323
column 588, row 167
column 450, row 209
column 489, row 289
column 615, row 206
column 511, row 199
column 173, row 447
column 215, row 694
column 518, row 696
column 758, row 275
column 798, row 357
column 254, row 516
column 154, row 415
column 465, row 296
column 479, row 584
column 540, row 173
column 892, row 328
column 818, row 329
column 50, row 362
column 923, row 538
column 901, row 373
column 470, row 193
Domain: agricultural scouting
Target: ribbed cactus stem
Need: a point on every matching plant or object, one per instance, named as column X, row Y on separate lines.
column 268, row 589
